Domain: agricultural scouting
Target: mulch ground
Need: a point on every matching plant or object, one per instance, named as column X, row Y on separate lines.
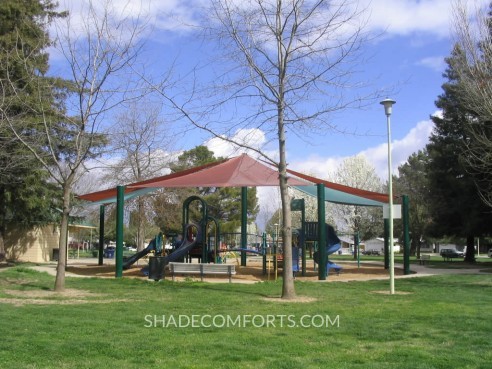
column 253, row 272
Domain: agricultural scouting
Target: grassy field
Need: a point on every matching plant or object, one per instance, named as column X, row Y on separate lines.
column 439, row 322
column 436, row 261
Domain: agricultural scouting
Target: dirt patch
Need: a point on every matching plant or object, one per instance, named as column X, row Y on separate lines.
column 68, row 293
column 49, row 297
column 301, row 299
column 22, row 302
column 103, row 271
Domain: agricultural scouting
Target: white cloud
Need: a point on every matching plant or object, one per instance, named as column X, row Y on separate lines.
column 397, row 17
column 404, row 17
column 377, row 156
column 171, row 15
column 415, row 140
column 436, row 63
column 317, row 166
column 252, row 137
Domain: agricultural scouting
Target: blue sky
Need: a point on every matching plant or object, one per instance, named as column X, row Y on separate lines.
column 407, row 58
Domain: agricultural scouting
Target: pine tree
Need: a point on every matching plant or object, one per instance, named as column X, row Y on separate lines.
column 455, row 204
column 26, row 196
column 412, row 181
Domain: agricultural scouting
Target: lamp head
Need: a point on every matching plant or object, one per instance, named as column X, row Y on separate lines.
column 388, row 104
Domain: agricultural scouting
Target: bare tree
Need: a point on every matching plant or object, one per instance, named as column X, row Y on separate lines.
column 473, row 33
column 145, row 142
column 287, row 65
column 98, row 52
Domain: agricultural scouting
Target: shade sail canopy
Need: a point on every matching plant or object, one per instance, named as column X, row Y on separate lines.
column 342, row 194
column 241, row 171
column 132, row 190
column 339, row 197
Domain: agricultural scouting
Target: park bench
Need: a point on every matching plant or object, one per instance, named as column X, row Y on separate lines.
column 202, row 269
column 424, row 258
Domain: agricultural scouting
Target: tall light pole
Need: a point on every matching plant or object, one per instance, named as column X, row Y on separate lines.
column 388, row 108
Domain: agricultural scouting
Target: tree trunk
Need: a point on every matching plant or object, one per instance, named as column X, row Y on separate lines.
column 470, row 249
column 2, row 224
column 288, row 289
column 3, row 254
column 62, row 244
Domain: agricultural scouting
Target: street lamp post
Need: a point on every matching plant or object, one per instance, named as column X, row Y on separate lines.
column 388, row 104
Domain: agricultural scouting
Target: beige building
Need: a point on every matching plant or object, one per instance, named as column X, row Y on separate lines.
column 38, row 245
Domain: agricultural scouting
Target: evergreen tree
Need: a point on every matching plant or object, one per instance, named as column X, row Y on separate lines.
column 455, row 204
column 412, row 181
column 26, row 196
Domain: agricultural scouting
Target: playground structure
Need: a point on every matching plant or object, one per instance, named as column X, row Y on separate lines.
column 196, row 244
column 197, row 240
column 243, row 171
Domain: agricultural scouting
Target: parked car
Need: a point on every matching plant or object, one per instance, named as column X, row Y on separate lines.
column 451, row 253
column 489, row 253
column 371, row 252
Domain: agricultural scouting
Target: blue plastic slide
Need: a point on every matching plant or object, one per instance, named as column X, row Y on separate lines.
column 333, row 245
column 181, row 251
column 132, row 259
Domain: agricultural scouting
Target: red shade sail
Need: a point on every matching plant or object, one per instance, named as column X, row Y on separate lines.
column 240, row 171
column 109, row 195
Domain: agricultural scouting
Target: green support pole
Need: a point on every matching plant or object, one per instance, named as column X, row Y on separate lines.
column 386, row 244
column 101, row 235
column 314, row 249
column 263, row 250
column 244, row 223
column 303, row 237
column 321, row 232
column 406, row 235
column 356, row 248
column 303, row 270
column 274, row 249
column 120, row 202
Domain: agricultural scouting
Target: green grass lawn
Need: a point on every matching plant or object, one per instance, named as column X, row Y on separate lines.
column 442, row 322
column 434, row 262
